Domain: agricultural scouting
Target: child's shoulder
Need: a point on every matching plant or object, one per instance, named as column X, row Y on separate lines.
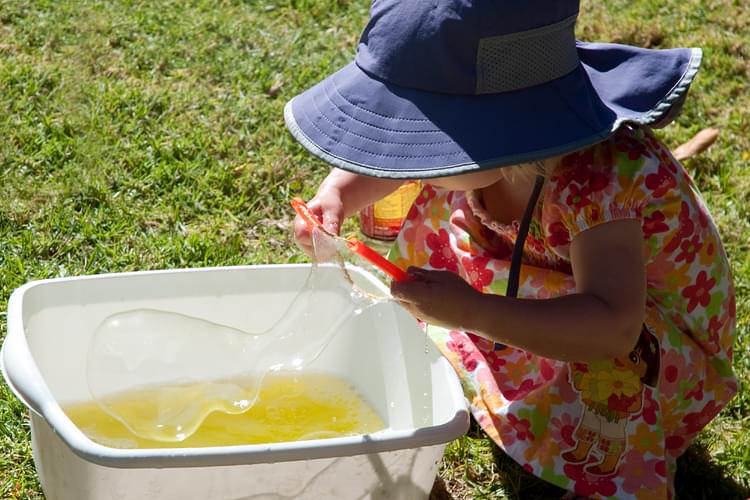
column 620, row 177
column 630, row 152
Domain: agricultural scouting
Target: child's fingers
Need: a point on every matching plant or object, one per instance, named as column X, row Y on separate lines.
column 301, row 228
column 330, row 212
column 301, row 231
column 331, row 222
column 416, row 272
column 427, row 275
column 409, row 290
column 302, row 236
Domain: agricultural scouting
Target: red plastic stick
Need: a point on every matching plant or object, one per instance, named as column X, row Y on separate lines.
column 303, row 211
column 354, row 244
column 376, row 259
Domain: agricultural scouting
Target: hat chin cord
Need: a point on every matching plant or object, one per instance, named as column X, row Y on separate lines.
column 523, row 231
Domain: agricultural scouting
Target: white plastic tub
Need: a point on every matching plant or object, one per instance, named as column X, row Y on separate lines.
column 382, row 353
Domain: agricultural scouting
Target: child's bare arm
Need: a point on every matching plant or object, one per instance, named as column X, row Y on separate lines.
column 340, row 195
column 601, row 321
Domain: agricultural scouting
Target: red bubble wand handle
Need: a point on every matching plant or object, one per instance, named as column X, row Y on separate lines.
column 374, row 258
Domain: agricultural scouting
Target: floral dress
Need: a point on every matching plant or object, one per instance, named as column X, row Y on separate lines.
column 611, row 428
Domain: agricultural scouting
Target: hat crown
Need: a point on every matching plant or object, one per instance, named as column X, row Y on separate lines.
column 468, row 46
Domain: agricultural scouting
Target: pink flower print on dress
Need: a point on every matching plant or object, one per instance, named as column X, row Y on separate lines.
column 661, row 271
column 650, row 408
column 495, row 359
column 534, row 245
column 633, row 147
column 689, row 249
column 702, row 216
column 417, row 235
column 732, row 306
column 461, row 345
column 563, row 428
column 708, row 252
column 696, row 392
column 442, row 256
column 675, row 445
column 588, row 484
column 507, row 434
column 578, row 197
column 593, row 180
column 412, row 213
column 521, row 392
column 715, row 325
column 685, row 229
column 481, row 343
column 661, row 182
column 700, row 292
column 654, row 224
column 549, row 284
column 476, row 272
column 642, row 474
column 428, row 192
column 570, row 166
column 663, row 154
column 697, row 421
column 598, row 182
column 674, row 370
column 521, row 427
column 558, row 234
column 546, row 370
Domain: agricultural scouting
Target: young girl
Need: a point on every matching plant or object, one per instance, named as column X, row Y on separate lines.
column 561, row 258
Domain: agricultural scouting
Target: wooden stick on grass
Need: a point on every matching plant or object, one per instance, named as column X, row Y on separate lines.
column 699, row 143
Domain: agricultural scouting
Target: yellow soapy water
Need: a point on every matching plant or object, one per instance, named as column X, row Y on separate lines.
column 169, row 355
column 289, row 407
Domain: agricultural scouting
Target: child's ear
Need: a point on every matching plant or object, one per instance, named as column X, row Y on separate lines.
column 650, row 354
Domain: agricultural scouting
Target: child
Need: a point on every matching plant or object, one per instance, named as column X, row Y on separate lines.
column 580, row 291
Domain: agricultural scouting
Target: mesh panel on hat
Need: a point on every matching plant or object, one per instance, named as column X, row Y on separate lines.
column 520, row 60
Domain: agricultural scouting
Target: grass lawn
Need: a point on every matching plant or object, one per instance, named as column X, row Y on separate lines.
column 149, row 135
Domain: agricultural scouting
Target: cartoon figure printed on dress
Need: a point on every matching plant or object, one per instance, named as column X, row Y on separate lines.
column 611, row 392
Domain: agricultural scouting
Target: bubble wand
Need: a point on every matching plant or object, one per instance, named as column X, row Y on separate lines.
column 355, row 245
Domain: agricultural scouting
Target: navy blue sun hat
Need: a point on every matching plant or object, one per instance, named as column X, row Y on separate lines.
column 444, row 87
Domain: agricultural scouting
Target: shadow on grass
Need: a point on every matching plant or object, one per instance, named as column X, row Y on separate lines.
column 698, row 477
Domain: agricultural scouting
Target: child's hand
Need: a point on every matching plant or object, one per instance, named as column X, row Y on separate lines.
column 328, row 208
column 340, row 195
column 440, row 298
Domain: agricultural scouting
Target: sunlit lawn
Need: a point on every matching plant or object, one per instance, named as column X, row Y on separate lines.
column 149, row 135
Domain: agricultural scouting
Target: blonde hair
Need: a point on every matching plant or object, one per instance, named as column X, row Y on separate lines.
column 530, row 170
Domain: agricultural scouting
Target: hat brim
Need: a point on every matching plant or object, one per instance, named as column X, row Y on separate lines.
column 364, row 125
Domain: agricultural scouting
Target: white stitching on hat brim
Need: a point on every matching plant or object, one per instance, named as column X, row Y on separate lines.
column 426, row 172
